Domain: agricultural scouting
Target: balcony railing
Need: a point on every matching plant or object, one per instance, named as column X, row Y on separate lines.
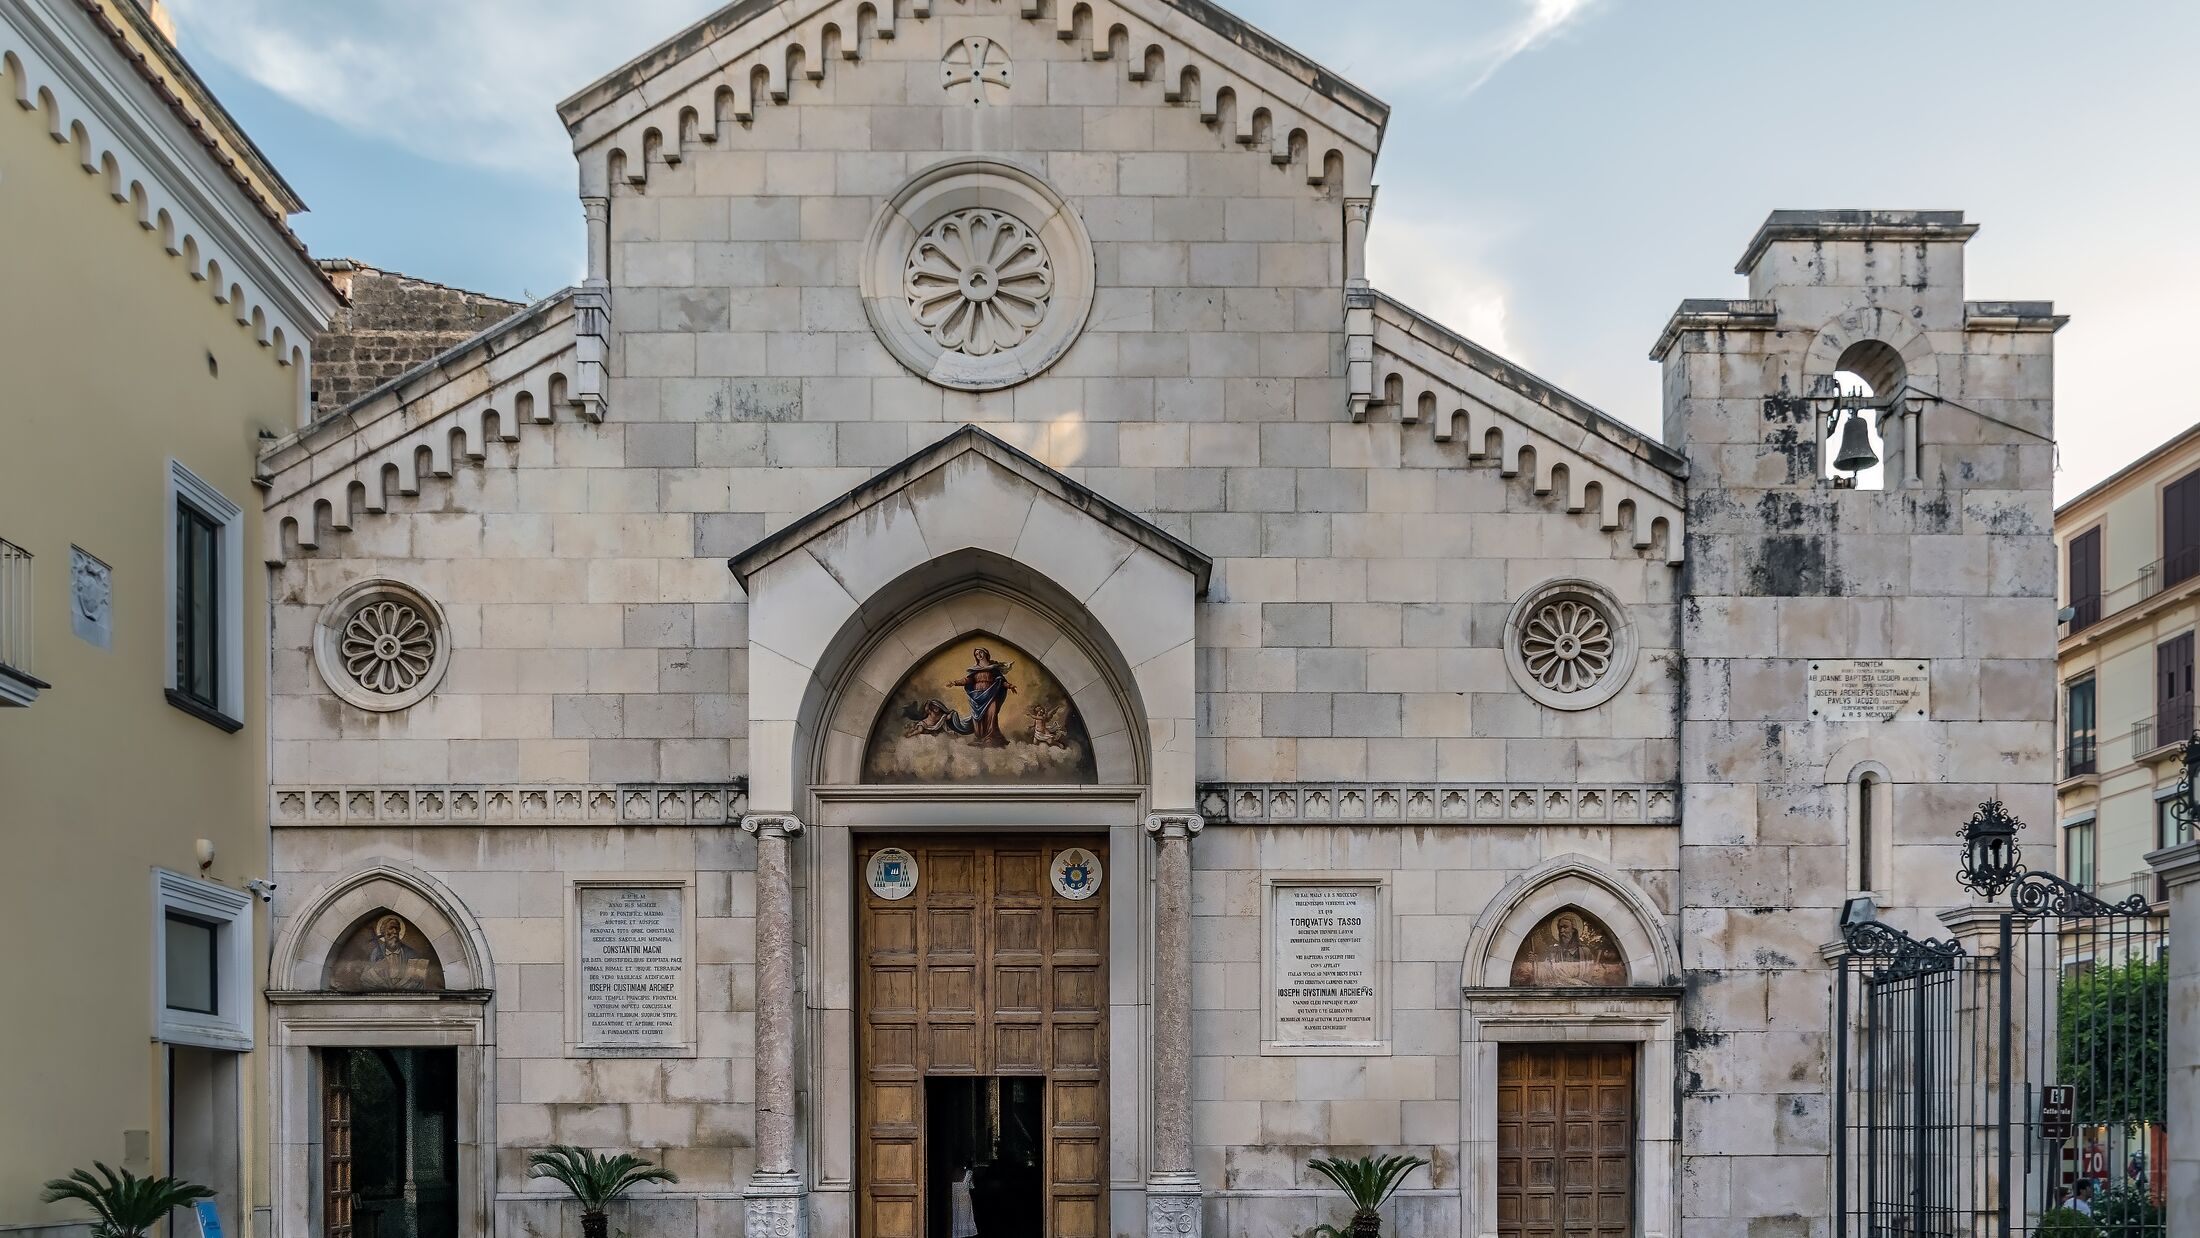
column 2148, row 884
column 18, row 686
column 2161, row 574
column 2172, row 723
column 2081, row 756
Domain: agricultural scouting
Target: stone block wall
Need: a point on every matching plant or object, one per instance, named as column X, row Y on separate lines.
column 389, row 324
column 1950, row 565
column 693, row 1114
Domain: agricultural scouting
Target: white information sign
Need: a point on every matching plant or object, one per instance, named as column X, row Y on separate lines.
column 633, row 960
column 1869, row 689
column 1325, row 967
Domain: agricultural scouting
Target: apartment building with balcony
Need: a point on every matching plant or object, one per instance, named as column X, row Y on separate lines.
column 2130, row 562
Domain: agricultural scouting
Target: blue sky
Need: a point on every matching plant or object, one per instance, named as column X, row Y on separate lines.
column 1557, row 175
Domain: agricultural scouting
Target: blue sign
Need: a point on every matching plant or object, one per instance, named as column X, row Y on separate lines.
column 210, row 1220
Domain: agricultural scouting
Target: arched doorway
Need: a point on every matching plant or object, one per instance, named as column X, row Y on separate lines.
column 385, row 1062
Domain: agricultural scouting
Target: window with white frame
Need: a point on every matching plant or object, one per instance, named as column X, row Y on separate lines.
column 202, row 963
column 205, row 600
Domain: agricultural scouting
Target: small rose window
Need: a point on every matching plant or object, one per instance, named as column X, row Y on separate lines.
column 382, row 645
column 1569, row 645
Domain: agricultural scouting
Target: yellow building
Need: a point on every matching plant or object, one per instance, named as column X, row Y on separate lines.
column 2130, row 553
column 156, row 326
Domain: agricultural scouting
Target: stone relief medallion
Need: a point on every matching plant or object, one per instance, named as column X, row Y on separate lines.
column 1569, row 645
column 91, row 597
column 891, row 874
column 1569, row 949
column 1075, row 873
column 383, row 953
column 381, row 645
column 975, row 70
column 980, row 710
column 977, row 275
column 979, row 282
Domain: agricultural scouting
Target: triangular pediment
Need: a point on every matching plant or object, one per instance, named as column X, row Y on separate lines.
column 927, row 468
column 705, row 85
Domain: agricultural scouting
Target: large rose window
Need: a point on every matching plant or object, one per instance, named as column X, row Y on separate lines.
column 976, row 274
column 978, row 282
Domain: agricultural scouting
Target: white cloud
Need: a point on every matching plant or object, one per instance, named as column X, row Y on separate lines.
column 1435, row 267
column 474, row 83
column 1400, row 51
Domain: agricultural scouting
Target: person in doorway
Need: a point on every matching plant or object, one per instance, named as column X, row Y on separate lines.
column 2082, row 1198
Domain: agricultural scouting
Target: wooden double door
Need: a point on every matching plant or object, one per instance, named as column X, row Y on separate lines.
column 982, row 1027
column 1565, row 1141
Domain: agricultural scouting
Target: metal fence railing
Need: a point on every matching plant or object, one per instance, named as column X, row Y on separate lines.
column 16, row 616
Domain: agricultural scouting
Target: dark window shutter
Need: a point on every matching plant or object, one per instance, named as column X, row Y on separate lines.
column 2085, row 579
column 2181, row 529
column 2173, row 689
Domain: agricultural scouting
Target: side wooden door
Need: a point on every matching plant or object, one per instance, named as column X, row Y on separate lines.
column 1565, row 1141
column 983, row 971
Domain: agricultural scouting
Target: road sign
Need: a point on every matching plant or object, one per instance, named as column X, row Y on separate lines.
column 2057, row 1103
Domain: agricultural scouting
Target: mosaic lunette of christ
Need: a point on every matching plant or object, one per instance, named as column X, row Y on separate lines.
column 979, row 710
column 383, row 953
column 1570, row 949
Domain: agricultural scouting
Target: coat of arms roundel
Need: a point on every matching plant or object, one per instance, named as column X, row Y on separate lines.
column 1075, row 873
column 891, row 874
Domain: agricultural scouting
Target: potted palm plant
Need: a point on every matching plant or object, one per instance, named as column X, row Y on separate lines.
column 126, row 1204
column 594, row 1180
column 1366, row 1183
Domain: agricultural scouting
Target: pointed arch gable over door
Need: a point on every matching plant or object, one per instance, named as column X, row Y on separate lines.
column 968, row 508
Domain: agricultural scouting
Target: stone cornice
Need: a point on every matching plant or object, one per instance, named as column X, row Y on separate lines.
column 1419, row 803
column 468, row 804
column 123, row 131
column 1945, row 227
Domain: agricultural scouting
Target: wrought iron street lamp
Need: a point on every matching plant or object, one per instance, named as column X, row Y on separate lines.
column 2183, row 806
column 1992, row 860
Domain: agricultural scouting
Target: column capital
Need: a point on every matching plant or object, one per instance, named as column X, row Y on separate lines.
column 1359, row 209
column 595, row 208
column 2178, row 865
column 1167, row 826
column 772, row 824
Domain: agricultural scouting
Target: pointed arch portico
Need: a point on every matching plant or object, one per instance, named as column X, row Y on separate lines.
column 1498, row 1016
column 969, row 537
column 307, row 1017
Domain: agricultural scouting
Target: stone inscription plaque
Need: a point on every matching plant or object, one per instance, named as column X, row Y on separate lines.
column 1869, row 689
column 1325, row 970
column 633, row 956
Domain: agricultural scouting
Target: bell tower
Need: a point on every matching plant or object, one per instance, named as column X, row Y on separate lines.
column 1868, row 636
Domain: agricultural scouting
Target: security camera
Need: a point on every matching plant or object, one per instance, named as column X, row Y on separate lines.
column 2066, row 614
column 262, row 887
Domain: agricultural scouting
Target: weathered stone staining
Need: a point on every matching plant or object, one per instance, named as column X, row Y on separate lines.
column 1037, row 340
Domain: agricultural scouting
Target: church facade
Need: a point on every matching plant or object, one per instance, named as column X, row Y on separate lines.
column 976, row 672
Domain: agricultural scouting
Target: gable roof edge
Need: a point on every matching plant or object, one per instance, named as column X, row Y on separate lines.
column 896, row 477
column 1538, row 390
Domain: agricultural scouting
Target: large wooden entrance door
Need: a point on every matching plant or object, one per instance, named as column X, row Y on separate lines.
column 984, row 973
column 1565, row 1141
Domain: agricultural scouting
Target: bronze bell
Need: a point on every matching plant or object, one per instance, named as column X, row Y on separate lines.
column 1856, row 445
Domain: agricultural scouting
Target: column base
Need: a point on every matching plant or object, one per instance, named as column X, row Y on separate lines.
column 1173, row 1207
column 774, row 1206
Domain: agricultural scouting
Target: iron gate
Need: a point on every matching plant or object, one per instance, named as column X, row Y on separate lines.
column 1975, row 1088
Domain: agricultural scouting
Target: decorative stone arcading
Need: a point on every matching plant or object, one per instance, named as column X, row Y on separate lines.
column 1268, row 803
column 977, row 275
column 504, row 803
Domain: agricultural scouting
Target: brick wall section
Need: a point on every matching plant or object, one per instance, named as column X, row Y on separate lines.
column 393, row 323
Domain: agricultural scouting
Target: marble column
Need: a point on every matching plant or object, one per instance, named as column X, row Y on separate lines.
column 774, row 1202
column 597, row 213
column 1172, row 1185
column 2180, row 870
